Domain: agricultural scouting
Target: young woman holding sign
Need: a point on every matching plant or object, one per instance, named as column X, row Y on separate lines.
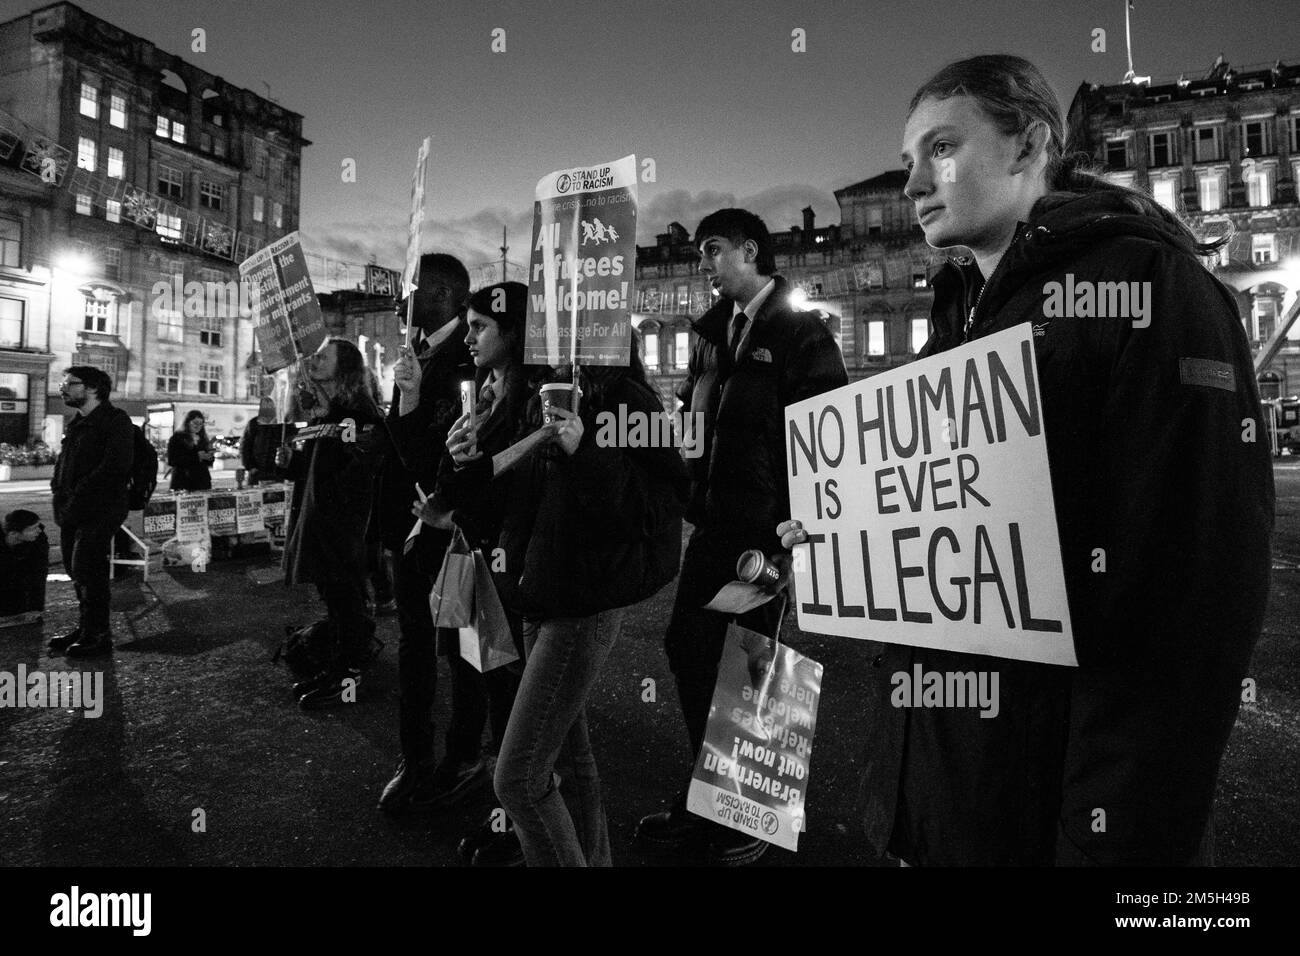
column 1163, row 495
column 587, row 531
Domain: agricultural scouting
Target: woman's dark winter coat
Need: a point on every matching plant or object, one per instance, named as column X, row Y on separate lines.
column 1163, row 490
column 585, row 533
column 334, row 479
column 189, row 473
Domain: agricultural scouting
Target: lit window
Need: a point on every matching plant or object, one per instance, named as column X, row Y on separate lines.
column 83, row 204
column 919, row 280
column 171, row 183
column 98, row 315
column 920, row 333
column 116, row 163
column 210, row 333
column 211, row 195
column 652, row 350
column 1263, row 247
column 682, row 355
column 117, row 111
column 89, row 101
column 1265, row 316
column 259, row 208
column 876, row 338
column 169, row 377
column 11, row 322
column 209, row 379
column 1210, row 193
column 112, row 210
column 163, row 128
column 11, row 241
column 171, row 327
column 85, row 153
column 169, row 227
column 875, row 220
column 178, row 132
column 1259, row 183
column 1163, row 191
column 277, row 215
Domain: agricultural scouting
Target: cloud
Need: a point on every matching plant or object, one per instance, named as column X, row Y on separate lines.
column 476, row 239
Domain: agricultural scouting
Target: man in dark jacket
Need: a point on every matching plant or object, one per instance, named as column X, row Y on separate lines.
column 426, row 402
column 90, row 488
column 754, row 355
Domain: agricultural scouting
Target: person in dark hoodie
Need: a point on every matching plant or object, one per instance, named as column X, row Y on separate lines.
column 334, row 478
column 588, row 528
column 24, row 563
column 1154, row 466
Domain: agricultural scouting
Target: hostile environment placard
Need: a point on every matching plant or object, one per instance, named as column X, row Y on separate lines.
column 580, row 274
column 415, row 220
column 289, row 321
column 752, row 772
column 927, row 499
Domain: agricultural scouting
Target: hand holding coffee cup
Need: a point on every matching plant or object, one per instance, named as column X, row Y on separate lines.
column 462, row 441
column 558, row 395
column 568, row 429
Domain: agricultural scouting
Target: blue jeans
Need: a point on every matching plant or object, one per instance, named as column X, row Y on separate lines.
column 547, row 734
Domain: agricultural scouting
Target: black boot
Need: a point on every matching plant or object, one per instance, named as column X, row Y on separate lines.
column 60, row 644
column 92, row 645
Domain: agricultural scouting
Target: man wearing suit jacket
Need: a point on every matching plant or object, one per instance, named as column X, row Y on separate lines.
column 426, row 402
column 754, row 354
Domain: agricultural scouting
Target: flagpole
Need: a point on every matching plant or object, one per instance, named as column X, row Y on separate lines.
column 1128, row 40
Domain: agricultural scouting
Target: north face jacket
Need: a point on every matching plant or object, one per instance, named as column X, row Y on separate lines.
column 1163, row 490
column 739, row 489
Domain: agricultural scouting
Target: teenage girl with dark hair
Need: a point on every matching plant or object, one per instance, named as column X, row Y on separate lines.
column 190, row 455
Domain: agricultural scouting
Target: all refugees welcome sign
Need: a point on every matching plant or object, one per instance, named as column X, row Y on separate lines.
column 927, row 500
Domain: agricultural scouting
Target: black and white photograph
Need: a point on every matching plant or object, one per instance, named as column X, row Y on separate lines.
column 706, row 435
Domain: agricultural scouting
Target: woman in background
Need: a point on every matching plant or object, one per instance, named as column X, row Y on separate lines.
column 189, row 453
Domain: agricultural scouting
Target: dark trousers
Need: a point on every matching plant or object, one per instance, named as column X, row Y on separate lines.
column 86, row 546
column 476, row 699
column 345, row 604
column 694, row 644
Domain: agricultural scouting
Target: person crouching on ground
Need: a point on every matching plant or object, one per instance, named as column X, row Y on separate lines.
column 588, row 529
column 334, row 479
column 24, row 561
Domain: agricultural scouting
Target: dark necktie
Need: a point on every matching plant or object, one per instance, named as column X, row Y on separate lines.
column 737, row 334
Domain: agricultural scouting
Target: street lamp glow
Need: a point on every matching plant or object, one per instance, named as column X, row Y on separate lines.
column 72, row 262
column 798, row 298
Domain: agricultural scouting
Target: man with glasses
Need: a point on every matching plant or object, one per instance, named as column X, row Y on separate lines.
column 90, row 501
column 426, row 403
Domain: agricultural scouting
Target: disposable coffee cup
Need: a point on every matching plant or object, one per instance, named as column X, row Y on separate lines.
column 559, row 395
column 754, row 568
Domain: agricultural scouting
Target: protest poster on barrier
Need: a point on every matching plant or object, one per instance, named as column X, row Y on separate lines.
column 581, row 272
column 752, row 772
column 289, row 320
column 927, row 500
column 192, row 519
column 275, row 501
column 221, row 514
column 248, row 512
column 159, row 519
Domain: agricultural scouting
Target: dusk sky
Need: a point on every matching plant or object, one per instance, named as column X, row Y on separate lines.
column 711, row 91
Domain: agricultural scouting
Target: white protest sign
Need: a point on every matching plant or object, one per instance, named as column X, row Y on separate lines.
column 415, row 221
column 927, row 499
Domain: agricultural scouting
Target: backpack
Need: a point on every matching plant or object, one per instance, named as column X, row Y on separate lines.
column 144, row 472
column 314, row 649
